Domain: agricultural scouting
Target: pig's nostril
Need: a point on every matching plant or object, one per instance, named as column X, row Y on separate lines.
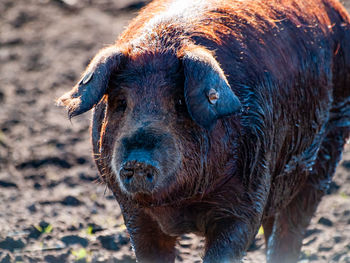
column 128, row 178
column 149, row 177
column 127, row 174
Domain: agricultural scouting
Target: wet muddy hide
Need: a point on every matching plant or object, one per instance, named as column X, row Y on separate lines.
column 215, row 117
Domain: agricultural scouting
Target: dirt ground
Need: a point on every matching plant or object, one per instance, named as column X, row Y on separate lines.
column 52, row 206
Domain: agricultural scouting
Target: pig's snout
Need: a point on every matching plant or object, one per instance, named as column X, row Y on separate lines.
column 139, row 173
column 145, row 161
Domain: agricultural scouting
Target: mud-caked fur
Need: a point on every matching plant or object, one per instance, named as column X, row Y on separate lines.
column 263, row 151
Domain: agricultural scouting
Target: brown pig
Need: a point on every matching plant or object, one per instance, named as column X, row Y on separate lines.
column 217, row 116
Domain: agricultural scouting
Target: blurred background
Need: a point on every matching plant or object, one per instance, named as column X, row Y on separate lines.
column 52, row 206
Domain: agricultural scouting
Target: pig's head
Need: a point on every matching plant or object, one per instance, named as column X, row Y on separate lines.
column 154, row 113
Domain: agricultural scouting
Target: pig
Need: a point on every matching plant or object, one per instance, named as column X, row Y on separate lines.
column 216, row 117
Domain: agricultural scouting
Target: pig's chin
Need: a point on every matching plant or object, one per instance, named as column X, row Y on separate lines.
column 162, row 194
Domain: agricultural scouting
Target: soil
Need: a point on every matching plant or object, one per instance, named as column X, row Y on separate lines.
column 53, row 208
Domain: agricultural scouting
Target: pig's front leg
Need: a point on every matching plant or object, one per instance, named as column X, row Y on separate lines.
column 227, row 241
column 150, row 244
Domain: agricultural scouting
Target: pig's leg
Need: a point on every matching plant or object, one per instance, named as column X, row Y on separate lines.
column 151, row 245
column 229, row 230
column 227, row 241
column 268, row 227
column 291, row 223
column 288, row 231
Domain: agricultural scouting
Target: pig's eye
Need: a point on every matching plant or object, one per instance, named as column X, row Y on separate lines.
column 121, row 105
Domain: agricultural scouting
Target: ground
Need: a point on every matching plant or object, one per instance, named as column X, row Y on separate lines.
column 53, row 208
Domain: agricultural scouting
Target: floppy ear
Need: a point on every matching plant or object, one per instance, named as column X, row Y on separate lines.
column 93, row 85
column 207, row 93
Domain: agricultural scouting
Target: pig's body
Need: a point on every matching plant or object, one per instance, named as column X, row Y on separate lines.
column 261, row 152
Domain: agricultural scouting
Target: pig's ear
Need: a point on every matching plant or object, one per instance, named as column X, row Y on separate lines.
column 207, row 93
column 93, row 85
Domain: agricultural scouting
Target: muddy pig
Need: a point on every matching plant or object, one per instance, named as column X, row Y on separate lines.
column 214, row 117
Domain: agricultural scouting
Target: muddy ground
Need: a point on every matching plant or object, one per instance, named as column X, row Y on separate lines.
column 52, row 206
